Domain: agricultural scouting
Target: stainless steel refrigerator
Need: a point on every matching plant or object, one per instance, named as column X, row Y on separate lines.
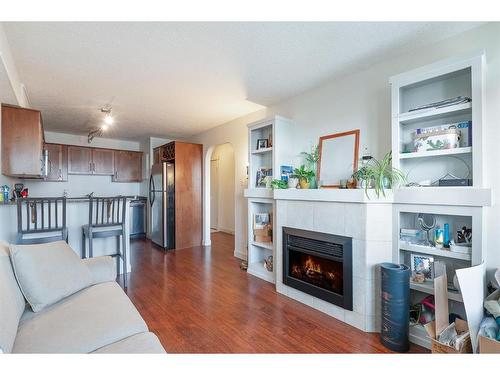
column 162, row 201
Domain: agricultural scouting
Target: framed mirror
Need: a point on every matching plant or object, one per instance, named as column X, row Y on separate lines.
column 338, row 157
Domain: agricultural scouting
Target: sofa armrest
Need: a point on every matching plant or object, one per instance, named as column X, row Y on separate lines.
column 103, row 269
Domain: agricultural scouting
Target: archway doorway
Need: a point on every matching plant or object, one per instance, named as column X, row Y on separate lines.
column 220, row 194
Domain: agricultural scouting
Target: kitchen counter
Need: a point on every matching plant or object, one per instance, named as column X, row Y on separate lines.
column 77, row 216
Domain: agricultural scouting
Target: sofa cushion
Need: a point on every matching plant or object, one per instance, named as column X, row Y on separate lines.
column 142, row 343
column 86, row 321
column 49, row 272
column 103, row 269
column 12, row 302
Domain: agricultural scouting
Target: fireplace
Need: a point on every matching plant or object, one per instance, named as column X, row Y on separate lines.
column 318, row 264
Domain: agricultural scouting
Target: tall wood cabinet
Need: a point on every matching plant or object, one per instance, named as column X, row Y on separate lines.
column 22, row 142
column 187, row 158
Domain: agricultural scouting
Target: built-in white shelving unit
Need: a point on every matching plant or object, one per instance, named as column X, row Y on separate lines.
column 260, row 198
column 443, row 80
column 456, row 206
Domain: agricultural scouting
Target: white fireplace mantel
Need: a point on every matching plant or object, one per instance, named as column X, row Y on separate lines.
column 333, row 195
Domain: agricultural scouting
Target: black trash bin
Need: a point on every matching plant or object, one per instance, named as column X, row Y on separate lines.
column 395, row 286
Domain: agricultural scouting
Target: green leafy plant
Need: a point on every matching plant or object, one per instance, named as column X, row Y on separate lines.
column 313, row 156
column 303, row 174
column 279, row 184
column 381, row 174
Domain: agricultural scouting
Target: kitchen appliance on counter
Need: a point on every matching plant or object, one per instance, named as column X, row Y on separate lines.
column 162, row 201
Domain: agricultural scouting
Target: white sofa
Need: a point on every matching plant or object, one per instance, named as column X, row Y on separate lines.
column 97, row 319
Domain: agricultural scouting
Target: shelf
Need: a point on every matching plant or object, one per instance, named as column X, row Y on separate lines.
column 258, row 193
column 262, row 151
column 263, row 245
column 434, row 113
column 257, row 269
column 424, row 154
column 428, row 287
column 444, row 196
column 405, row 246
column 419, row 336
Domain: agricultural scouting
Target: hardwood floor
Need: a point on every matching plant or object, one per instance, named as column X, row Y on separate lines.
column 197, row 300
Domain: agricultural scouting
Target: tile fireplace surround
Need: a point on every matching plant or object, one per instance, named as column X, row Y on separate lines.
column 346, row 213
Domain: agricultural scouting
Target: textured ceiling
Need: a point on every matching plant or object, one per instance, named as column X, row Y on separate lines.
column 178, row 79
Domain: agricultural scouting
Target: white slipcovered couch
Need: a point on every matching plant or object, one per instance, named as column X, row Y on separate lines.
column 40, row 312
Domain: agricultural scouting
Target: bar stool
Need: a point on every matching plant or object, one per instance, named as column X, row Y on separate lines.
column 41, row 220
column 107, row 219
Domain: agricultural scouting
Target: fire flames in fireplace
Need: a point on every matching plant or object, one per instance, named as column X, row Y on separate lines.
column 321, row 272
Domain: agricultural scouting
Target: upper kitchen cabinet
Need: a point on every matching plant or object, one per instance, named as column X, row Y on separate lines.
column 103, row 161
column 87, row 160
column 128, row 166
column 22, row 142
column 58, row 162
column 79, row 160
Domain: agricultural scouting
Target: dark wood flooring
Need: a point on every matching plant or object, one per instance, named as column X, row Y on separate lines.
column 197, row 300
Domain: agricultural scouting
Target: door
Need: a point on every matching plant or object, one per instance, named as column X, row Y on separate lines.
column 103, row 162
column 128, row 166
column 79, row 160
column 58, row 162
column 214, row 193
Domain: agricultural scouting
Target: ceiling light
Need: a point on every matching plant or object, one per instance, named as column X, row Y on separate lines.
column 104, row 127
column 108, row 119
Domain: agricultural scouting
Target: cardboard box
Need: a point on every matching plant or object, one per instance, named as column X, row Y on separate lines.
column 439, row 348
column 436, row 327
column 263, row 232
column 263, row 239
column 488, row 346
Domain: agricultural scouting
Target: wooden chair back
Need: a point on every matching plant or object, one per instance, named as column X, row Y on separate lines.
column 38, row 218
column 107, row 211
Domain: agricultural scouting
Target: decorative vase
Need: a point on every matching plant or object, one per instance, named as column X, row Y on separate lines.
column 313, row 183
column 304, row 184
column 293, row 182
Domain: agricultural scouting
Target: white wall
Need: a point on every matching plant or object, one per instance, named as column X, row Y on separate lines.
column 224, row 154
column 362, row 101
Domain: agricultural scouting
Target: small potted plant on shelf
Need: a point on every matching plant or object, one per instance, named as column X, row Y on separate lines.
column 279, row 184
column 379, row 175
column 304, row 175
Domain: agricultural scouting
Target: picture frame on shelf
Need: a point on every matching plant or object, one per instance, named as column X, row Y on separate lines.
column 262, row 180
column 262, row 143
column 422, row 265
column 261, row 220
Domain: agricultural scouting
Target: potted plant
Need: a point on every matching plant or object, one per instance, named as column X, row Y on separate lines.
column 279, row 184
column 312, row 159
column 304, row 175
column 380, row 175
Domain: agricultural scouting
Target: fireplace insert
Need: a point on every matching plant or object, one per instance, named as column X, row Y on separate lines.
column 318, row 264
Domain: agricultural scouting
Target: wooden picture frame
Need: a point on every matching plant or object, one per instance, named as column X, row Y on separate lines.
column 322, row 143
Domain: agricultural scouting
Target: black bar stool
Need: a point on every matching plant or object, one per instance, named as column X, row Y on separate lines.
column 107, row 219
column 41, row 220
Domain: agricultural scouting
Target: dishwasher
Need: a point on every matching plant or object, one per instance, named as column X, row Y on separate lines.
column 138, row 218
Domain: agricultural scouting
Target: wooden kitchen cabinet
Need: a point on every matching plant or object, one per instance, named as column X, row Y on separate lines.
column 58, row 162
column 79, row 160
column 103, row 162
column 128, row 166
column 22, row 142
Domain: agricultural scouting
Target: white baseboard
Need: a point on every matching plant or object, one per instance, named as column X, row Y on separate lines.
column 240, row 255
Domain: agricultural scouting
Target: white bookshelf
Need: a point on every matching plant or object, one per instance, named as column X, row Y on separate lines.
column 260, row 199
column 443, row 80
